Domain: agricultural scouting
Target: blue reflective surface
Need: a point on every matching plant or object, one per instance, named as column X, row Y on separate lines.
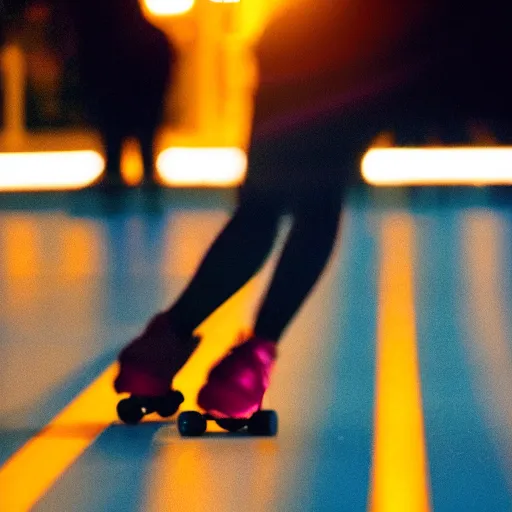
column 80, row 277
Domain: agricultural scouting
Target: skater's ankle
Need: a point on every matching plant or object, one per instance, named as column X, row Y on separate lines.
column 263, row 336
column 182, row 329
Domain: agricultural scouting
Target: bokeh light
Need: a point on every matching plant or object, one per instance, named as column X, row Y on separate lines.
column 169, row 7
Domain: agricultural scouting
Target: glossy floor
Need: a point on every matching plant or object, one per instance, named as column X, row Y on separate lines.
column 393, row 385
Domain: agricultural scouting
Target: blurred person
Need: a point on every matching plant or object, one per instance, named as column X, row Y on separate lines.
column 333, row 75
column 45, row 66
column 3, row 17
column 126, row 65
column 41, row 32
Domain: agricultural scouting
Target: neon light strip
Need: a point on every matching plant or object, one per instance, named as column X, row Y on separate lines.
column 202, row 166
column 31, row 471
column 400, row 480
column 49, row 170
column 169, row 7
column 64, row 170
column 442, row 166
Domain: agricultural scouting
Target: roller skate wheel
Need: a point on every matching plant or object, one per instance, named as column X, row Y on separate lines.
column 130, row 411
column 191, row 424
column 168, row 405
column 263, row 423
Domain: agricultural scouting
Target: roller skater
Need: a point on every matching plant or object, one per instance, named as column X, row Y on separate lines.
column 364, row 67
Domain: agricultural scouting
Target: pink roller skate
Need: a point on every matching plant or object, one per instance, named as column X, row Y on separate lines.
column 234, row 392
column 147, row 367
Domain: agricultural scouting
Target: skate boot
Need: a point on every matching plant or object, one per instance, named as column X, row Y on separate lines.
column 150, row 362
column 236, row 386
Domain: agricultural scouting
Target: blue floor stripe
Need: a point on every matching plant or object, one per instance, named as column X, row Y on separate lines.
column 463, row 464
column 336, row 476
column 110, row 476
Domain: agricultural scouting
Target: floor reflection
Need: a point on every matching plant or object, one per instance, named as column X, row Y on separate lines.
column 394, row 374
column 488, row 326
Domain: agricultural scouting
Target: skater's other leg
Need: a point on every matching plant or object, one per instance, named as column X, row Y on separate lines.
column 302, row 262
column 236, row 255
column 236, row 386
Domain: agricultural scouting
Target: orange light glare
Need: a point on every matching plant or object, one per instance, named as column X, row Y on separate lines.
column 438, row 166
column 169, row 7
column 51, row 170
column 218, row 167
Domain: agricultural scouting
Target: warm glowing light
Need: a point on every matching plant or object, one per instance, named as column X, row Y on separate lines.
column 132, row 166
column 223, row 167
column 438, row 166
column 65, row 170
column 202, row 166
column 51, row 170
column 399, row 472
column 169, row 7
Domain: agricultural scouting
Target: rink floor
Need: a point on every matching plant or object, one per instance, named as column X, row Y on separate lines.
column 393, row 385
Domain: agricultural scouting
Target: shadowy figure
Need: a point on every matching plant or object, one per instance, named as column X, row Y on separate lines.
column 332, row 76
column 126, row 65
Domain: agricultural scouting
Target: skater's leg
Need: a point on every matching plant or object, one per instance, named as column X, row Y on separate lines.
column 302, row 262
column 149, row 363
column 235, row 256
column 236, row 386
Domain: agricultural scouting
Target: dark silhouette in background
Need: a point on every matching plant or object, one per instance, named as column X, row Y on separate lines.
column 126, row 65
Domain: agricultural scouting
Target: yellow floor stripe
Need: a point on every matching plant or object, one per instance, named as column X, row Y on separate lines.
column 399, row 473
column 36, row 466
